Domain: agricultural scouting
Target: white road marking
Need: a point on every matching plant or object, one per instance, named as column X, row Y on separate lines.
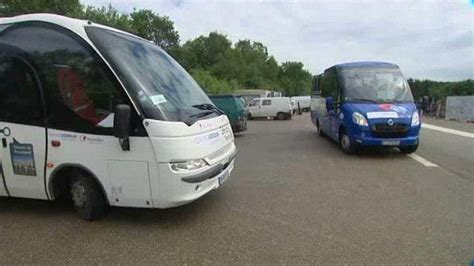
column 449, row 130
column 422, row 160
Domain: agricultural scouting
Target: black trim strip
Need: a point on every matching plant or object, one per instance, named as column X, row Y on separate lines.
column 3, row 179
column 46, row 163
column 210, row 173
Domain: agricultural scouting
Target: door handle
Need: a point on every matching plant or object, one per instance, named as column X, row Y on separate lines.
column 4, row 142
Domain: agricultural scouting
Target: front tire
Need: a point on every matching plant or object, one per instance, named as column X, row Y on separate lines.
column 87, row 197
column 347, row 145
column 408, row 149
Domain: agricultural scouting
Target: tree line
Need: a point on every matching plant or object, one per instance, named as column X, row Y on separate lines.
column 217, row 64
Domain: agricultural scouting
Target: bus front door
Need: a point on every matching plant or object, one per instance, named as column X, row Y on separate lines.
column 22, row 130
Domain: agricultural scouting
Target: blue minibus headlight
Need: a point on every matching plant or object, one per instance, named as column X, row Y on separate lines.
column 415, row 119
column 187, row 166
column 359, row 119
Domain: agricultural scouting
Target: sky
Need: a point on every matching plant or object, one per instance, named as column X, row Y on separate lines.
column 426, row 38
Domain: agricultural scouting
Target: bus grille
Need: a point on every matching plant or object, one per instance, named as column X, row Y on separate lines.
column 384, row 130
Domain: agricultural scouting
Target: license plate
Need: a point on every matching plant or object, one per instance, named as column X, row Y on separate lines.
column 223, row 177
column 390, row 142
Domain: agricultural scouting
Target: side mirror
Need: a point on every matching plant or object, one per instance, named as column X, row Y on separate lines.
column 122, row 125
column 425, row 103
column 329, row 103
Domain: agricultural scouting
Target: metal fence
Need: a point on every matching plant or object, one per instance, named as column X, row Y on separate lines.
column 460, row 108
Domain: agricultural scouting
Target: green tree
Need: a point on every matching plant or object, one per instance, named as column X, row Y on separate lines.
column 211, row 84
column 107, row 16
column 294, row 79
column 151, row 26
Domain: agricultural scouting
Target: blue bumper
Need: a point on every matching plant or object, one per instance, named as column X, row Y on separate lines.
column 366, row 137
column 386, row 142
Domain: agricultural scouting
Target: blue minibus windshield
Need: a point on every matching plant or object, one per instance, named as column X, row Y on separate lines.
column 375, row 84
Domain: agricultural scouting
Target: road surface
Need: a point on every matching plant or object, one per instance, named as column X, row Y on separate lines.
column 293, row 198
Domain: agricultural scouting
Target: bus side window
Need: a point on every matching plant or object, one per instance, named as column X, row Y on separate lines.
column 20, row 100
column 81, row 92
column 323, row 83
column 316, row 87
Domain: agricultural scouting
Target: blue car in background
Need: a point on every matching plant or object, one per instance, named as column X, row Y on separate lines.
column 365, row 104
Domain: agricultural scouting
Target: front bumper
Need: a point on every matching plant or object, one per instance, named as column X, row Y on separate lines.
column 180, row 189
column 396, row 142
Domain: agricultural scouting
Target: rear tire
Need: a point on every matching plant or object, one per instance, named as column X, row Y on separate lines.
column 347, row 145
column 281, row 116
column 87, row 197
column 249, row 117
column 408, row 149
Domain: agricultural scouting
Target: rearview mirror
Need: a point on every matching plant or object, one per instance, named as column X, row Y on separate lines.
column 329, row 103
column 122, row 125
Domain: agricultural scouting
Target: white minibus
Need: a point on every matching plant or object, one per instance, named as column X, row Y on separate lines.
column 105, row 117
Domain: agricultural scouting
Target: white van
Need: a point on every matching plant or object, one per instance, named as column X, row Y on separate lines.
column 303, row 101
column 105, row 116
column 278, row 108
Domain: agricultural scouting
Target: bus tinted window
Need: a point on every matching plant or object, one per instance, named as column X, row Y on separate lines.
column 19, row 94
column 80, row 93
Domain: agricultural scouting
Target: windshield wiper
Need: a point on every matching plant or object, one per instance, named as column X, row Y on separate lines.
column 202, row 114
column 364, row 100
column 210, row 107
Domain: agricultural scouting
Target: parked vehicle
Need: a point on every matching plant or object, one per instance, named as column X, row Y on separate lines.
column 303, row 101
column 235, row 108
column 104, row 116
column 278, row 108
column 365, row 104
column 251, row 94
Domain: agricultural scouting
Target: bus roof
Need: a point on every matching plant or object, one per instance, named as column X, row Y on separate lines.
column 75, row 25
column 364, row 64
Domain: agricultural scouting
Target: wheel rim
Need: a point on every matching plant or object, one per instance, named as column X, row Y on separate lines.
column 78, row 193
column 345, row 142
column 281, row 116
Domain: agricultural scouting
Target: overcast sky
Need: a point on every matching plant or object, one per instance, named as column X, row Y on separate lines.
column 427, row 39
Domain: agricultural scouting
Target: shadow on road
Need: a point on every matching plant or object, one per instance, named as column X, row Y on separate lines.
column 63, row 209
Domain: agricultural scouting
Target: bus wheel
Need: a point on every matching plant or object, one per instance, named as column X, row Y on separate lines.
column 346, row 144
column 281, row 116
column 408, row 149
column 88, row 199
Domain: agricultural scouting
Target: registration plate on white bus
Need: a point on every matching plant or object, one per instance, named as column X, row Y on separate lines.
column 223, row 177
column 390, row 142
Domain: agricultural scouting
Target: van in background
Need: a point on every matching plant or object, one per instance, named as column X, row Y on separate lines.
column 235, row 108
column 303, row 101
column 277, row 108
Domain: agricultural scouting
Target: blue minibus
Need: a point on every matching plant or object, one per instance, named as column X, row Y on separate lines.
column 365, row 104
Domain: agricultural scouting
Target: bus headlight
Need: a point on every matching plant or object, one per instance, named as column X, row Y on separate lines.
column 359, row 119
column 187, row 166
column 415, row 119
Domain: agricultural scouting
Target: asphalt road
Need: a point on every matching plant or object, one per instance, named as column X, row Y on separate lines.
column 293, row 198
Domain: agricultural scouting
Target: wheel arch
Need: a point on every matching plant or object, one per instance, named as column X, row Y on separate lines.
column 341, row 129
column 59, row 177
